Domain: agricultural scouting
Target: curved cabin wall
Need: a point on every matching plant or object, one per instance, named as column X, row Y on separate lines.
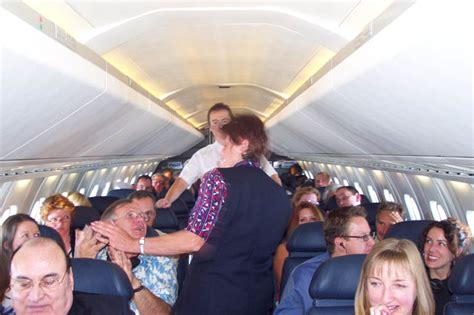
column 56, row 104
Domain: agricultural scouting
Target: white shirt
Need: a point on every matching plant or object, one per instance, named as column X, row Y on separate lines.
column 207, row 159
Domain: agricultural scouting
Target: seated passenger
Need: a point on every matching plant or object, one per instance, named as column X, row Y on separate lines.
column 145, row 202
column 347, row 196
column 159, row 181
column 16, row 230
column 79, row 199
column 144, row 182
column 305, row 212
column 346, row 232
column 444, row 242
column 392, row 281
column 322, row 180
column 42, row 283
column 388, row 213
column 57, row 212
column 153, row 278
column 308, row 194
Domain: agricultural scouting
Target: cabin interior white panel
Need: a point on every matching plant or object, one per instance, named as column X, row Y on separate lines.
column 397, row 95
column 72, row 107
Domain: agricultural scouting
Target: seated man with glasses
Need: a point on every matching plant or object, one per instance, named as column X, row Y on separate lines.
column 153, row 278
column 42, row 282
column 346, row 232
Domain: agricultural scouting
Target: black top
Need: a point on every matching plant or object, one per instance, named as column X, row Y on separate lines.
column 232, row 272
column 441, row 294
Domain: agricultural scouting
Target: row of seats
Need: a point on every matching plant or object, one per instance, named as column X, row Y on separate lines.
column 334, row 284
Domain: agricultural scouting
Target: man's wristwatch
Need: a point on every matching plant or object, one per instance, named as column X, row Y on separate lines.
column 141, row 242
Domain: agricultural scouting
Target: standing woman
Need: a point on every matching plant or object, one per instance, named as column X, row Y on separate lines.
column 233, row 230
column 444, row 242
column 57, row 212
column 393, row 281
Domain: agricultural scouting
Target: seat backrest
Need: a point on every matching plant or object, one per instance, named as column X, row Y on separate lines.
column 100, row 203
column 371, row 209
column 100, row 277
column 461, row 284
column 334, row 285
column 306, row 242
column 411, row 230
column 120, row 193
column 46, row 231
column 166, row 221
column 83, row 216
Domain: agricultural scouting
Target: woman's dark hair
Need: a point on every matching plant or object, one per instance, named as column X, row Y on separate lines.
column 457, row 234
column 9, row 230
column 250, row 128
column 4, row 275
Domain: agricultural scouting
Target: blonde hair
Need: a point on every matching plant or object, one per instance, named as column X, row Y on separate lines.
column 79, row 199
column 301, row 191
column 56, row 202
column 402, row 253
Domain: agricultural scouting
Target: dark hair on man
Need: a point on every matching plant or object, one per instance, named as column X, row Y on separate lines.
column 337, row 222
column 9, row 230
column 350, row 188
column 141, row 194
column 109, row 213
column 457, row 234
column 146, row 177
column 218, row 107
column 389, row 207
column 250, row 128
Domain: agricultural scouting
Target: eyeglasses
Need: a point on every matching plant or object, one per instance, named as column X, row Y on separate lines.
column 364, row 238
column 133, row 215
column 66, row 218
column 48, row 283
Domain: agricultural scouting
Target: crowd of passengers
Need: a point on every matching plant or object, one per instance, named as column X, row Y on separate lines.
column 238, row 257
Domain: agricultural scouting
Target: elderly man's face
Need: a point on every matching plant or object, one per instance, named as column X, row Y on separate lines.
column 146, row 206
column 131, row 219
column 158, row 182
column 40, row 283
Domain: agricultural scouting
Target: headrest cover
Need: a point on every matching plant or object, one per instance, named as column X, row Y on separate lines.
column 308, row 237
column 120, row 193
column 165, row 219
column 337, row 278
column 84, row 215
column 461, row 281
column 411, row 230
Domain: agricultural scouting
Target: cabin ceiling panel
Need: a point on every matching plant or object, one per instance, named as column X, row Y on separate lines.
column 168, row 46
column 397, row 95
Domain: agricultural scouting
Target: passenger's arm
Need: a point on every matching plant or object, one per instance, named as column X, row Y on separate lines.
column 276, row 179
column 278, row 262
column 145, row 300
column 86, row 244
column 173, row 193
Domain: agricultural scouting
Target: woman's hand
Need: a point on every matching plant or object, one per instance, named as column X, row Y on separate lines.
column 379, row 310
column 114, row 236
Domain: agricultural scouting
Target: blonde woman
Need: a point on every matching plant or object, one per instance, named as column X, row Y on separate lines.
column 57, row 212
column 393, row 281
column 79, row 199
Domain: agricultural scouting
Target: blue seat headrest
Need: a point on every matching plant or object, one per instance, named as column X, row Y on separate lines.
column 411, row 230
column 49, row 232
column 100, row 277
column 100, row 203
column 307, row 238
column 166, row 221
column 337, row 278
column 83, row 216
column 371, row 209
column 120, row 193
column 461, row 281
